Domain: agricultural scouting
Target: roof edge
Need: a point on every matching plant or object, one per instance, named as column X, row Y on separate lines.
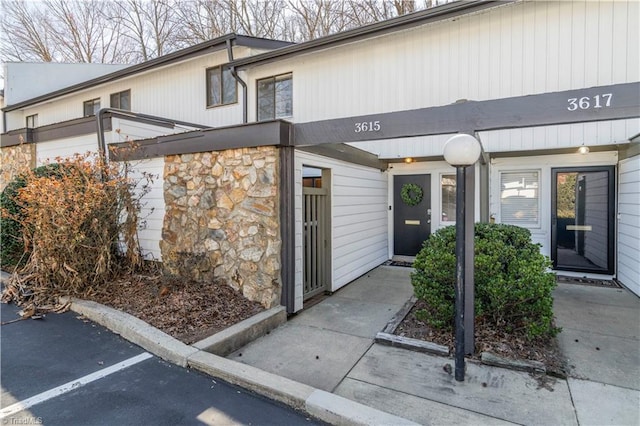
column 198, row 49
column 434, row 14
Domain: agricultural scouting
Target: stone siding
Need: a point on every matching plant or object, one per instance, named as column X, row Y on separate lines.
column 15, row 160
column 222, row 220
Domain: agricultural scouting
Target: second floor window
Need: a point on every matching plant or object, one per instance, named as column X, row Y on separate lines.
column 221, row 87
column 32, row 121
column 121, row 100
column 91, row 107
column 275, row 97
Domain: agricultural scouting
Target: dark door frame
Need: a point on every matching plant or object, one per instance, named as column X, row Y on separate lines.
column 611, row 209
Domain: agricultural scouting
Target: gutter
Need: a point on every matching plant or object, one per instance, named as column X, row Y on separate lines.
column 235, row 75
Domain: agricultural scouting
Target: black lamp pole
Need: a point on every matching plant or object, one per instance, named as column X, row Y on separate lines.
column 460, row 264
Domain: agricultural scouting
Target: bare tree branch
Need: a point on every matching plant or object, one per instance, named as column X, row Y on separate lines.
column 139, row 30
column 24, row 35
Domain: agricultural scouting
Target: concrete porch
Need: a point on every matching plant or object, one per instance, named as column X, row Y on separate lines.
column 331, row 346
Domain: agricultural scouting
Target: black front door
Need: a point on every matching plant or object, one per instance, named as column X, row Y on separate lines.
column 412, row 216
column 582, row 214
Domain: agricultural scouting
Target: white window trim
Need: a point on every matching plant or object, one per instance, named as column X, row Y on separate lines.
column 440, row 207
column 538, row 224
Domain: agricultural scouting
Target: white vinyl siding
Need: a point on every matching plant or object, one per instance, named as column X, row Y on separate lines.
column 125, row 130
column 46, row 152
column 523, row 139
column 515, row 49
column 629, row 223
column 152, row 204
column 560, row 136
column 177, row 92
column 358, row 223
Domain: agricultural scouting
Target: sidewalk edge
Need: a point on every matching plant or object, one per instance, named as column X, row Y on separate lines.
column 320, row 404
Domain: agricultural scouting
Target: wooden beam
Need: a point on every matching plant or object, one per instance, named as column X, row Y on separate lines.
column 614, row 102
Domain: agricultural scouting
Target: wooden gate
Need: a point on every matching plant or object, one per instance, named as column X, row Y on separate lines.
column 316, row 241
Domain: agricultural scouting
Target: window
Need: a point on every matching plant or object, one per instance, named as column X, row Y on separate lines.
column 221, row 87
column 311, row 177
column 32, row 121
column 448, row 185
column 91, row 107
column 519, row 198
column 121, row 100
column 275, row 97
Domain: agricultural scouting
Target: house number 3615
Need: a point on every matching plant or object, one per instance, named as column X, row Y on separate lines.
column 588, row 102
column 367, row 126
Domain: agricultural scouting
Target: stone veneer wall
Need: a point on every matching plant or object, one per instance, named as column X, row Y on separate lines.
column 222, row 220
column 15, row 160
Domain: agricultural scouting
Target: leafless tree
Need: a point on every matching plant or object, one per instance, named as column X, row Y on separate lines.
column 137, row 30
column 24, row 33
column 82, row 32
column 151, row 26
column 318, row 18
column 258, row 18
column 403, row 7
column 203, row 20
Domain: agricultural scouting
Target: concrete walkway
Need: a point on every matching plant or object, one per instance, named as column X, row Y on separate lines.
column 601, row 340
column 331, row 347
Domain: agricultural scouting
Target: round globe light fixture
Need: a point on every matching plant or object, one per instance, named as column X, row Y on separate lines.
column 462, row 150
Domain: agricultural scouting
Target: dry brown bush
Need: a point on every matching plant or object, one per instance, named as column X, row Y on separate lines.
column 80, row 229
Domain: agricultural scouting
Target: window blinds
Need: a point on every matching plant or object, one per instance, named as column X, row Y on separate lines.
column 519, row 198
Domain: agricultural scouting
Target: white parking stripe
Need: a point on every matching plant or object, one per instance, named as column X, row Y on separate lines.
column 52, row 393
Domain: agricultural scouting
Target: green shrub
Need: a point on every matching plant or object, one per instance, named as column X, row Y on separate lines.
column 12, row 247
column 513, row 289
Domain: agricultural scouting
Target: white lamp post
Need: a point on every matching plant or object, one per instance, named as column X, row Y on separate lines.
column 461, row 151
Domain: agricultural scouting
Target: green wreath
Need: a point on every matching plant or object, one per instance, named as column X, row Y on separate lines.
column 411, row 194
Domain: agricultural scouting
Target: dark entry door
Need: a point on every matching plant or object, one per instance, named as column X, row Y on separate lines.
column 411, row 223
column 582, row 214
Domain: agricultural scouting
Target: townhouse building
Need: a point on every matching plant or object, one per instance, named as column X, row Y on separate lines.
column 281, row 167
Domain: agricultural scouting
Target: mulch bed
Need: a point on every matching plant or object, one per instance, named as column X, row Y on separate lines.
column 488, row 340
column 187, row 310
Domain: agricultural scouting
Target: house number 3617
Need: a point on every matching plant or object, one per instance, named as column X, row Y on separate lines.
column 589, row 102
column 367, row 126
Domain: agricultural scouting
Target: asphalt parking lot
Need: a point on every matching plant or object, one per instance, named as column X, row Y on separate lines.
column 65, row 370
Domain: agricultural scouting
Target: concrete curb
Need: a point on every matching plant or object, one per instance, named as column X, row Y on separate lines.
column 411, row 344
column 488, row 358
column 322, row 405
column 244, row 332
column 135, row 330
column 276, row 387
column 337, row 410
